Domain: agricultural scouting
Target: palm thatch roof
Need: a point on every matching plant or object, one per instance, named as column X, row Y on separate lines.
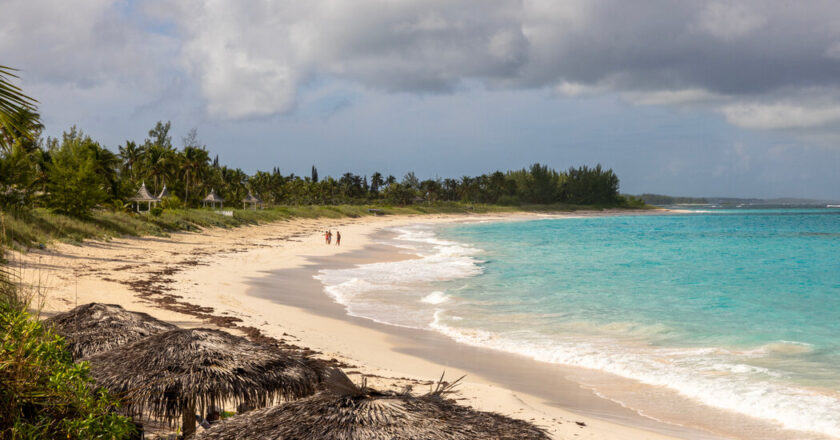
column 176, row 371
column 213, row 197
column 251, row 199
column 344, row 411
column 93, row 328
column 164, row 192
column 143, row 195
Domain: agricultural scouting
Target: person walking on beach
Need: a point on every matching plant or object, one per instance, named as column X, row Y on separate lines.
column 327, row 237
column 337, row 238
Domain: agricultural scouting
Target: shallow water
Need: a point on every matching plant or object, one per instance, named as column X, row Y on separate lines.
column 737, row 309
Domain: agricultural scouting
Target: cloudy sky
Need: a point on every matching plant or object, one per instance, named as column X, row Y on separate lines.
column 721, row 97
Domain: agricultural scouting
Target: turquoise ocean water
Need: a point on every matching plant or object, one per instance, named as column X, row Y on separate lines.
column 737, row 309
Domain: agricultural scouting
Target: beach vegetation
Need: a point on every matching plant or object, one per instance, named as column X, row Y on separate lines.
column 80, row 175
column 43, row 393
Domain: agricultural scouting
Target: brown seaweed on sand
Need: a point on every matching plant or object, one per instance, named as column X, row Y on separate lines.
column 93, row 328
column 170, row 374
column 344, row 411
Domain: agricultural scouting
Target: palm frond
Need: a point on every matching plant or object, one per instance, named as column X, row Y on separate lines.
column 13, row 103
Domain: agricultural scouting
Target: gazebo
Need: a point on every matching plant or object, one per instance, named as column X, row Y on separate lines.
column 164, row 192
column 212, row 199
column 143, row 195
column 253, row 201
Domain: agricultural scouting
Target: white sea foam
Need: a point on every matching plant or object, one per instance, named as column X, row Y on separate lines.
column 436, row 297
column 692, row 372
column 398, row 293
column 375, row 290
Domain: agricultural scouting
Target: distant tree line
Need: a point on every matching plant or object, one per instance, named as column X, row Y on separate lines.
column 663, row 200
column 74, row 174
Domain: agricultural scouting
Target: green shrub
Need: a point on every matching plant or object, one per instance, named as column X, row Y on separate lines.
column 156, row 211
column 171, row 202
column 507, row 200
column 43, row 394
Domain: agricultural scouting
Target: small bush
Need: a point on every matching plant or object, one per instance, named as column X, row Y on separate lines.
column 171, row 202
column 156, row 211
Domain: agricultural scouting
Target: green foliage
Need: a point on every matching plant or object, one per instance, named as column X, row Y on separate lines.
column 18, row 121
column 586, row 186
column 76, row 179
column 171, row 202
column 662, row 200
column 43, row 394
column 399, row 194
column 632, row 202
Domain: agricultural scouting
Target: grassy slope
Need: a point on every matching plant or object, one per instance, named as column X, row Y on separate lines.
column 30, row 228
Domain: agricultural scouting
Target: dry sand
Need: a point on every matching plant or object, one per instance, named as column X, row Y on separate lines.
column 212, row 279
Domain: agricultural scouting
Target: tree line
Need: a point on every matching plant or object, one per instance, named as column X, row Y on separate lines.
column 74, row 174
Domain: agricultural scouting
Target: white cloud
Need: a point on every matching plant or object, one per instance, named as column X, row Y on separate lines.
column 84, row 43
column 252, row 58
column 780, row 115
column 671, row 97
column 575, row 89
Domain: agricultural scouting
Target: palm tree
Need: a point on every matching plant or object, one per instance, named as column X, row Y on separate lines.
column 193, row 164
column 376, row 182
column 13, row 104
column 159, row 161
column 131, row 155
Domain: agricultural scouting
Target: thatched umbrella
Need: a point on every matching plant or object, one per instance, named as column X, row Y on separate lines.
column 173, row 373
column 346, row 412
column 93, row 328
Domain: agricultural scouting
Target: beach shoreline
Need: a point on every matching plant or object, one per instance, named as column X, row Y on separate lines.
column 220, row 271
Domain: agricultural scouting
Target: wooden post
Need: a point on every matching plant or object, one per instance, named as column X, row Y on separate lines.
column 187, row 419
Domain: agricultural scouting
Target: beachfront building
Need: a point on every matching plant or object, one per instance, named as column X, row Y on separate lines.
column 212, row 199
column 143, row 196
column 253, row 201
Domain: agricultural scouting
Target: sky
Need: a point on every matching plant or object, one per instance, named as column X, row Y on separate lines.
column 702, row 98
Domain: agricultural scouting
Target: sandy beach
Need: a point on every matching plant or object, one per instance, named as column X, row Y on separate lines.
column 257, row 280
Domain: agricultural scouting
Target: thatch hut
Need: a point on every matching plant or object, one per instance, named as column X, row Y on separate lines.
column 143, row 195
column 253, row 201
column 212, row 199
column 344, row 411
column 171, row 374
column 163, row 193
column 93, row 328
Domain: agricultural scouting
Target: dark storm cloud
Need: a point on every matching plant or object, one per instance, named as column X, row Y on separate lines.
column 732, row 48
column 762, row 64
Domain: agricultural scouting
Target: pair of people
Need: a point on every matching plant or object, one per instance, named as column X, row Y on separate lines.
column 328, row 237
